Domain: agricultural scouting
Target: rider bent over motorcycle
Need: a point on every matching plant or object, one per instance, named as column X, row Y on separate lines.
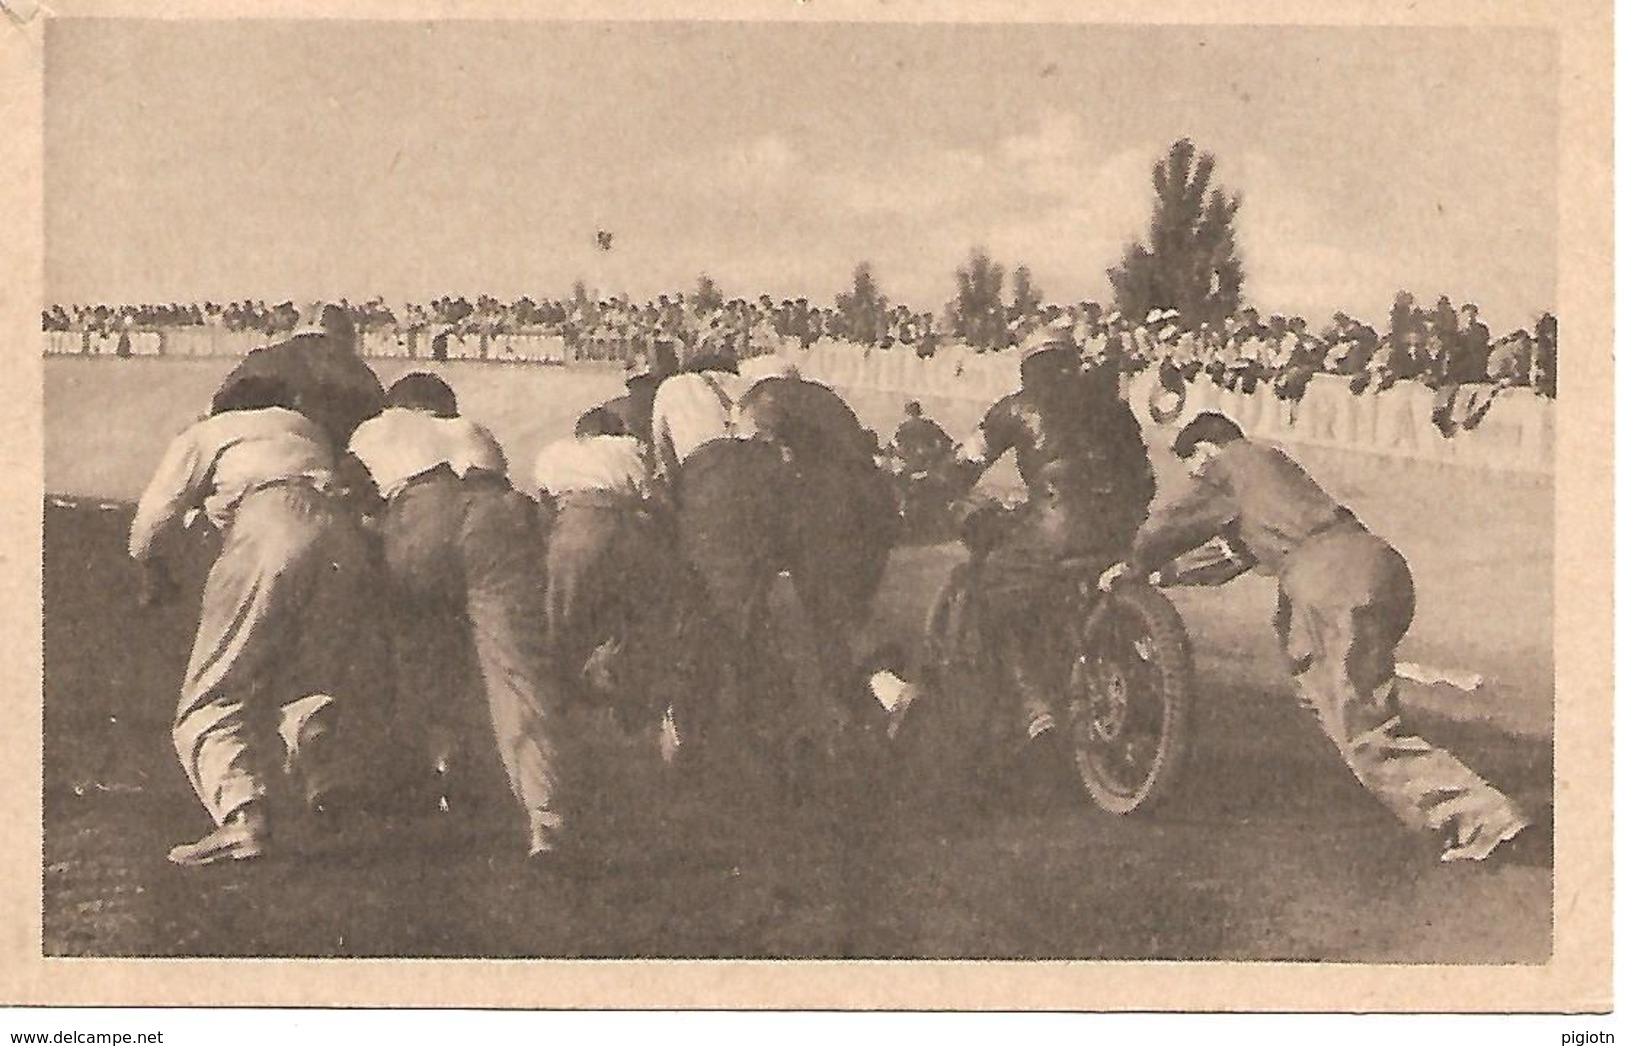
column 1089, row 485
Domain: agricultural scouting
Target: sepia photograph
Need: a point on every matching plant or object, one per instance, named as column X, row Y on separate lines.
column 898, row 490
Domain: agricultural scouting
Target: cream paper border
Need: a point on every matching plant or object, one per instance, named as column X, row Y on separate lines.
column 1579, row 975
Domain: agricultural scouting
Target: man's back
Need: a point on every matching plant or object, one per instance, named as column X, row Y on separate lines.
column 401, row 444
column 920, row 443
column 615, row 465
column 335, row 387
column 808, row 418
column 1083, row 426
column 1278, row 505
column 218, row 460
column 691, row 410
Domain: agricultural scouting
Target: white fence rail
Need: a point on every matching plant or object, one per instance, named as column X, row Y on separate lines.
column 1517, row 434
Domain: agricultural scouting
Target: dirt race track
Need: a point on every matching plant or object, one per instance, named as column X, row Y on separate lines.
column 1271, row 851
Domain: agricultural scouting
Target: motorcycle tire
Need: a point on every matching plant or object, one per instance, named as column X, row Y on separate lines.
column 1129, row 694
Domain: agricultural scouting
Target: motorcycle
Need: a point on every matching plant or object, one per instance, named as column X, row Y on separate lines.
column 925, row 499
column 1125, row 661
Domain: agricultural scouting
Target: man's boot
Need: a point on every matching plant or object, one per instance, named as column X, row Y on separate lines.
column 243, row 836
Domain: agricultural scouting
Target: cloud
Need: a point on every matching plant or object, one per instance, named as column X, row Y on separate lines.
column 1072, row 234
column 764, row 162
column 1049, row 160
column 915, row 182
column 1305, row 253
column 1315, row 279
column 1037, row 166
column 772, row 214
column 1043, row 196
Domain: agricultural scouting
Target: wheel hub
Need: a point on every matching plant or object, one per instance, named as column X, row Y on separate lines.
column 1109, row 702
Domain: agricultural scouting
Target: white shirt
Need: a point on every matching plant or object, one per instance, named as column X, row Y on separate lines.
column 400, row 444
column 616, row 464
column 1253, row 350
column 1280, row 353
column 213, row 464
column 691, row 410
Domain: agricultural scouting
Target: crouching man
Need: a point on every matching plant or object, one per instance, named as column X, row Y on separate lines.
column 613, row 579
column 1346, row 600
column 283, row 640
column 462, row 549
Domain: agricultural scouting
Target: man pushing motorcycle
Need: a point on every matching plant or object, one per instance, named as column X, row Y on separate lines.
column 1346, row 601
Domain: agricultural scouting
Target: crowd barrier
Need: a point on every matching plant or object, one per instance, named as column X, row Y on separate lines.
column 954, row 371
column 1516, row 434
column 501, row 347
column 104, row 343
column 190, row 342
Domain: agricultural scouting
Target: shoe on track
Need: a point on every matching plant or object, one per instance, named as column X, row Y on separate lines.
column 239, row 839
column 1486, row 841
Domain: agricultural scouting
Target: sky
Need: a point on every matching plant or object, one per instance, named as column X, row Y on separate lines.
column 284, row 159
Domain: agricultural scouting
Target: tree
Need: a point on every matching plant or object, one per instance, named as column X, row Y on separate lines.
column 707, row 298
column 1444, row 316
column 979, row 306
column 1025, row 298
column 863, row 307
column 1190, row 262
column 1403, row 318
column 583, row 310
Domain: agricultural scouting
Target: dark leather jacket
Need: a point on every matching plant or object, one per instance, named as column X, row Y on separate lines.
column 809, row 420
column 336, row 388
column 1079, row 449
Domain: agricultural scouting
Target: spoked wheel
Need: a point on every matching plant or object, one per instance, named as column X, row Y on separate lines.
column 1128, row 699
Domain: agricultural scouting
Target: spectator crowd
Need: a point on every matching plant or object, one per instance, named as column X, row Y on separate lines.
column 1442, row 347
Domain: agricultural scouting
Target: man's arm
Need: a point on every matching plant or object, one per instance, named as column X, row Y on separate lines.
column 490, row 447
column 176, row 487
column 358, row 485
column 1219, row 561
column 1121, row 439
column 1197, row 516
column 665, row 448
column 985, row 446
